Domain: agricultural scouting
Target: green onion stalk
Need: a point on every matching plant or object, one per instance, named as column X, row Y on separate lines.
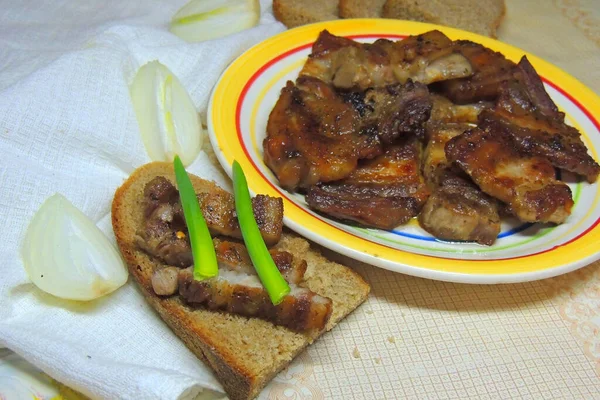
column 203, row 250
column 269, row 275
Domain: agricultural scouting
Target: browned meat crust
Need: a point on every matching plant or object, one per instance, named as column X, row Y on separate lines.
column 435, row 165
column 243, row 294
column 164, row 218
column 384, row 192
column 364, row 205
column 335, row 135
column 234, row 256
column 316, row 135
column 396, row 110
column 526, row 113
column 490, row 70
column 444, row 111
column 347, row 64
column 457, row 208
column 526, row 183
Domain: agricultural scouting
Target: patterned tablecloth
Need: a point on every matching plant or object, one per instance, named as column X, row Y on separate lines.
column 416, row 338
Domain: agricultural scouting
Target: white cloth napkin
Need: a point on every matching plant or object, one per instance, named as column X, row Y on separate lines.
column 67, row 125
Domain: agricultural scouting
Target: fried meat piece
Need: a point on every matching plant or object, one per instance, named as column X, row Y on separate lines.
column 527, row 184
column 237, row 288
column 435, row 165
column 444, row 111
column 219, row 213
column 490, row 70
column 165, row 281
column 526, row 113
column 351, row 65
column 241, row 293
column 383, row 193
column 315, row 135
column 393, row 110
column 165, row 233
column 457, row 209
column 234, row 256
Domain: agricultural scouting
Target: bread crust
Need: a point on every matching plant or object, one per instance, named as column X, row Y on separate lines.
column 228, row 343
column 294, row 13
column 496, row 24
column 361, row 8
column 426, row 11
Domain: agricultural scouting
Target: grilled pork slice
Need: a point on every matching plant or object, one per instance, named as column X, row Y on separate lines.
column 313, row 135
column 165, row 216
column 435, row 165
column 526, row 113
column 393, row 111
column 526, row 183
column 559, row 143
column 490, row 70
column 220, row 216
column 163, row 238
column 237, row 288
column 533, row 95
column 383, row 193
column 347, row 64
column 234, row 256
column 316, row 135
column 457, row 209
column 241, row 293
column 165, row 281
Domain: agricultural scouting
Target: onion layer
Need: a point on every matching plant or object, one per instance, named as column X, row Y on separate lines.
column 66, row 255
column 201, row 20
column 167, row 118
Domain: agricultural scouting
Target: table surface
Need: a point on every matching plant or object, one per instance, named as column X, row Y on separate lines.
column 420, row 338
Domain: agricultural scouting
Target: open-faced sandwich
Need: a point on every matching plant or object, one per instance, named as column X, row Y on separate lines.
column 228, row 320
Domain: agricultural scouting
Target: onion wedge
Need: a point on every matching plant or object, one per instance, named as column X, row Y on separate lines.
column 167, row 118
column 66, row 255
column 201, row 20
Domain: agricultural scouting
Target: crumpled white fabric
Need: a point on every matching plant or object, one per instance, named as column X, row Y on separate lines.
column 67, row 125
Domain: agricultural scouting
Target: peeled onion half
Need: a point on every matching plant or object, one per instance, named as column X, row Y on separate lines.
column 201, row 20
column 168, row 121
column 66, row 255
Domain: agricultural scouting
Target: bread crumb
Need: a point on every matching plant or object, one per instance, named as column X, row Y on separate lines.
column 377, row 360
column 355, row 352
column 369, row 311
column 391, row 339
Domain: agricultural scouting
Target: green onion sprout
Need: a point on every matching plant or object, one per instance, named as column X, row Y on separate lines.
column 267, row 271
column 203, row 250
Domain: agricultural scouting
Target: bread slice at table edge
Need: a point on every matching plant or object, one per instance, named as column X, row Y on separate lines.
column 245, row 353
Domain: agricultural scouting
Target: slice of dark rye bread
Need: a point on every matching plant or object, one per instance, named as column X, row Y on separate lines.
column 479, row 16
column 245, row 353
column 294, row 13
column 361, row 8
